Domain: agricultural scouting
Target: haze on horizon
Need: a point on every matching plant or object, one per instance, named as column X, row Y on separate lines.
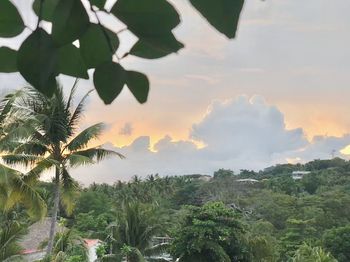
column 278, row 93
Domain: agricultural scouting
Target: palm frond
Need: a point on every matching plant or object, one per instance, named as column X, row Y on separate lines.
column 18, row 191
column 156, row 250
column 21, row 159
column 7, row 103
column 50, row 113
column 71, row 94
column 28, row 196
column 60, row 257
column 32, row 147
column 70, row 242
column 20, row 134
column 6, row 174
column 78, row 111
column 34, row 174
column 69, row 191
column 98, row 153
column 75, row 160
column 84, row 137
column 149, row 232
column 14, row 128
column 136, row 255
column 9, row 236
column 32, row 101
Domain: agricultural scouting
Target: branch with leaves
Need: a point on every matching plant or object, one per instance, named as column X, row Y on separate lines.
column 44, row 55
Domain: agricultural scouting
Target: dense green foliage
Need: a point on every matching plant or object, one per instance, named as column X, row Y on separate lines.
column 10, row 232
column 337, row 241
column 312, row 254
column 209, row 233
column 44, row 55
column 275, row 219
column 268, row 220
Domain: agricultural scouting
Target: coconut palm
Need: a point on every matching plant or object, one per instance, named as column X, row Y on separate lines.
column 13, row 189
column 131, row 235
column 55, row 145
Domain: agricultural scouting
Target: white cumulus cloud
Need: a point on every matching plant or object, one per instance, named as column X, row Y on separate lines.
column 241, row 133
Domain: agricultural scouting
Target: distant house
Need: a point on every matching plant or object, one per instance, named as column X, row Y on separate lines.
column 248, row 180
column 297, row 175
column 199, row 177
column 92, row 245
column 205, row 178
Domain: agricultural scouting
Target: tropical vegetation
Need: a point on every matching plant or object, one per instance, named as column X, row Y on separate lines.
column 269, row 215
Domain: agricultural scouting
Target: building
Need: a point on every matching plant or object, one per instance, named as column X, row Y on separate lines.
column 92, row 245
column 297, row 175
column 248, row 180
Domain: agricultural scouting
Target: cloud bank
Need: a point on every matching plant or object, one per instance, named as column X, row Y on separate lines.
column 242, row 133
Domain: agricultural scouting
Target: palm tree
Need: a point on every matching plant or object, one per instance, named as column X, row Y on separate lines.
column 54, row 144
column 131, row 235
column 68, row 246
column 13, row 189
column 69, row 243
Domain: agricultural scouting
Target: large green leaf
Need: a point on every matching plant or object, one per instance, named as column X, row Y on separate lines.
column 151, row 21
column 99, row 3
column 47, row 8
column 37, row 61
column 11, row 23
column 138, row 84
column 109, row 80
column 70, row 62
column 69, row 21
column 222, row 14
column 147, row 18
column 156, row 47
column 8, row 60
column 98, row 45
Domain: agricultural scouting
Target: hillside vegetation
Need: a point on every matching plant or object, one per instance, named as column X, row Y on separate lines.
column 250, row 216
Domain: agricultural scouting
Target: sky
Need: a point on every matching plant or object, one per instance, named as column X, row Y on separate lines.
column 278, row 93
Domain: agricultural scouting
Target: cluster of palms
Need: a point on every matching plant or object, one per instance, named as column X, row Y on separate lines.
column 130, row 236
column 146, row 191
column 39, row 133
column 135, row 214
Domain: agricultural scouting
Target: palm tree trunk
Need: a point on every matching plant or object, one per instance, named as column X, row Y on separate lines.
column 54, row 213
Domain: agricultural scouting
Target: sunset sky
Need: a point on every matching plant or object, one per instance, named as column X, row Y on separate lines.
column 277, row 93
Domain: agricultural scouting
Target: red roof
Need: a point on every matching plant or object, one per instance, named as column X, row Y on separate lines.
column 91, row 242
column 30, row 251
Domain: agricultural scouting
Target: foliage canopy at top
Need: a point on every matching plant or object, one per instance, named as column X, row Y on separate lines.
column 44, row 55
